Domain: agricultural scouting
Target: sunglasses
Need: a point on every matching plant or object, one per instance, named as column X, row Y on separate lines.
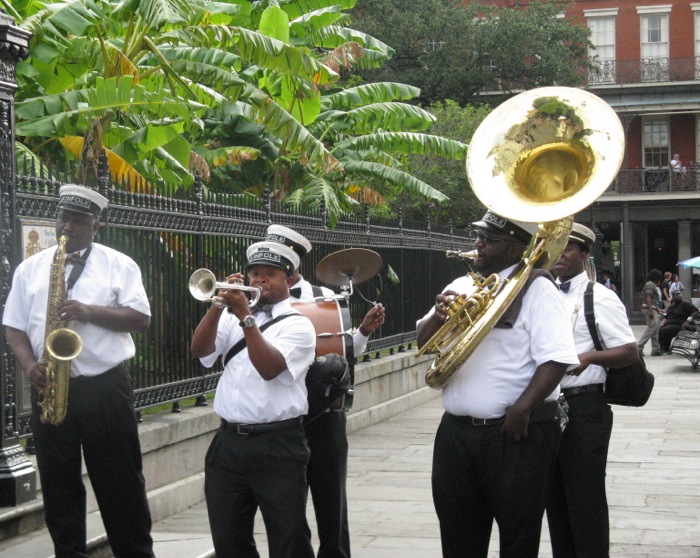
column 486, row 239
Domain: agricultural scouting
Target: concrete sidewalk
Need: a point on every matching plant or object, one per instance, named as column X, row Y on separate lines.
column 653, row 484
column 653, row 481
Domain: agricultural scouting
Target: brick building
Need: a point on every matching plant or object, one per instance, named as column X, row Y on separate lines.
column 647, row 58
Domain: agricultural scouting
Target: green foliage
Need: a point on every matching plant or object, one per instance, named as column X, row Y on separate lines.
column 454, row 123
column 248, row 94
column 455, row 51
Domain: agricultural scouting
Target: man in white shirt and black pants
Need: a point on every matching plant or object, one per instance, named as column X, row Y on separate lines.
column 327, row 434
column 577, row 507
column 497, row 440
column 105, row 301
column 258, row 457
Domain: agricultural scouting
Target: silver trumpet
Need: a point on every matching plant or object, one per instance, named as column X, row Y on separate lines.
column 203, row 286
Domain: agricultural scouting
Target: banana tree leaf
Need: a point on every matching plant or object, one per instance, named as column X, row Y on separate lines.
column 397, row 177
column 406, row 142
column 381, row 92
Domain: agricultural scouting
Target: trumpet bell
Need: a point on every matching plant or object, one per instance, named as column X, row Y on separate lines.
column 202, row 284
column 560, row 151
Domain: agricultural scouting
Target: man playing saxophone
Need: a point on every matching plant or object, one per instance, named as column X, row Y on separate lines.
column 497, row 440
column 104, row 301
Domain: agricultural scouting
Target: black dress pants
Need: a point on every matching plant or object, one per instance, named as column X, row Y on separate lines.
column 577, row 506
column 327, row 475
column 101, row 420
column 479, row 475
column 265, row 470
column 666, row 335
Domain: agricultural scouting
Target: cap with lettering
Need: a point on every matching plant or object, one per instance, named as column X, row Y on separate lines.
column 273, row 254
column 81, row 199
column 290, row 238
column 519, row 230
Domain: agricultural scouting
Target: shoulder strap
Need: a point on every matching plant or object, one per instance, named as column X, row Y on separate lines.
column 78, row 268
column 589, row 313
column 317, row 291
column 238, row 347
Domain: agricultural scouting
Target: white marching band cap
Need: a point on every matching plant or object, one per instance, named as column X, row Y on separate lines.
column 290, row 238
column 81, row 199
column 273, row 254
column 519, row 230
column 582, row 235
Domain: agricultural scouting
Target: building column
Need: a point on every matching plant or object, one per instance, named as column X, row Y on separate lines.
column 627, row 260
column 17, row 473
column 685, row 246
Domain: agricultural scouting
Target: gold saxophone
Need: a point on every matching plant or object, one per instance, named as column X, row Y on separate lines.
column 540, row 157
column 61, row 345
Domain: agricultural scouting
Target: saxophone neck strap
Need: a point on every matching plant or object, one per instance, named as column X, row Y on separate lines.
column 78, row 267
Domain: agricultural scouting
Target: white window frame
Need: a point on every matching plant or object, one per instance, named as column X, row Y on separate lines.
column 695, row 8
column 658, row 145
column 603, row 16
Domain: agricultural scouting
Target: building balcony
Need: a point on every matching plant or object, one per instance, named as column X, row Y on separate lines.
column 656, row 180
column 645, row 70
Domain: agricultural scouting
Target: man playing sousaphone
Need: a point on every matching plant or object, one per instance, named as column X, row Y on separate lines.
column 496, row 444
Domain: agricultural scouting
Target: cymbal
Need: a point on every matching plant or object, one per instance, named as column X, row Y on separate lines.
column 353, row 264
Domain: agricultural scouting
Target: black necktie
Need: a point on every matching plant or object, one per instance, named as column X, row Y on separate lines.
column 295, row 292
column 564, row 287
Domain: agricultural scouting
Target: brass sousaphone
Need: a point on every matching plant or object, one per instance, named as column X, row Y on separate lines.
column 540, row 157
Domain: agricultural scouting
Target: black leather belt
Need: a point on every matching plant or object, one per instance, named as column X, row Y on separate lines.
column 544, row 412
column 578, row 390
column 246, row 429
column 118, row 369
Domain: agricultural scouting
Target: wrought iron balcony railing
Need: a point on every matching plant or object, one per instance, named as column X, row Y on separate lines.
column 650, row 180
column 644, row 70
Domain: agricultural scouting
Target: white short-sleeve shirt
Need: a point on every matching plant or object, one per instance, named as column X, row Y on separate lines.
column 611, row 318
column 242, row 395
column 504, row 362
column 109, row 279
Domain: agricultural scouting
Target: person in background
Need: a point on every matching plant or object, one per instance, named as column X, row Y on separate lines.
column 651, row 296
column 680, row 314
column 676, row 165
column 327, row 435
column 577, row 505
column 675, row 285
column 106, row 301
column 609, row 281
column 258, row 457
column 665, row 294
column 497, row 440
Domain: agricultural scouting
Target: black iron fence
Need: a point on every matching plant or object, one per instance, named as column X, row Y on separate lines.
column 171, row 232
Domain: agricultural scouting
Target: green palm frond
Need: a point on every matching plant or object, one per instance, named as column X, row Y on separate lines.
column 394, row 176
column 367, row 94
column 409, row 143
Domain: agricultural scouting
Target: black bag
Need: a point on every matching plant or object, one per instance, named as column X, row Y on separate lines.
column 328, row 379
column 630, row 386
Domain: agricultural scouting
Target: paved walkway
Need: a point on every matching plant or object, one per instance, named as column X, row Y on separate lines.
column 653, row 482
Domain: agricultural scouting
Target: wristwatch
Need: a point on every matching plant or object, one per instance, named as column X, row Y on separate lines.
column 247, row 322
